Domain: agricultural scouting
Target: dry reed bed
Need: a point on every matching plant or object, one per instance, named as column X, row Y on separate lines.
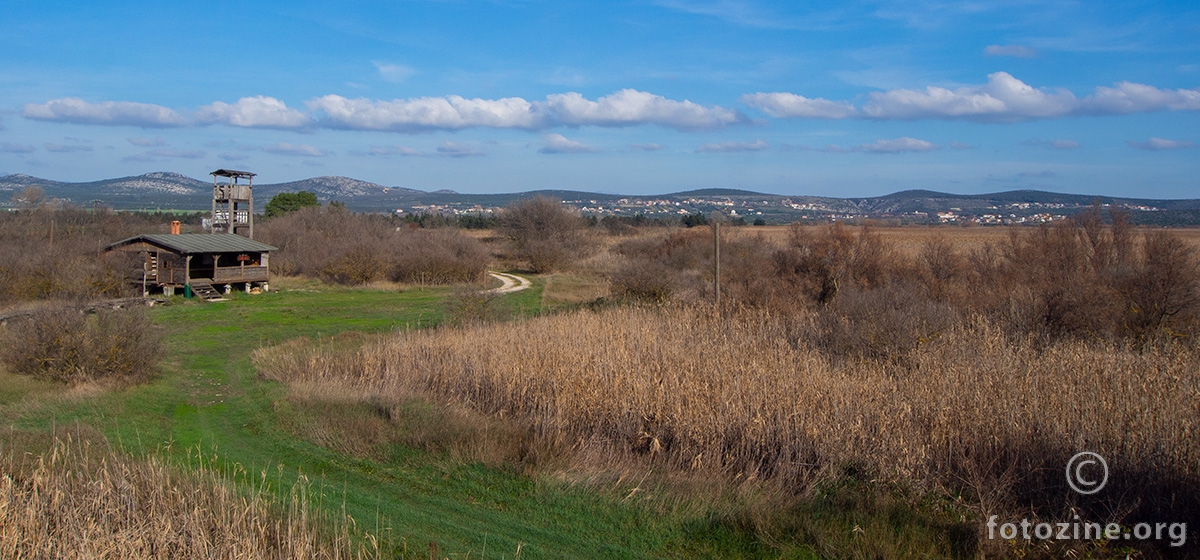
column 78, row 501
column 970, row 411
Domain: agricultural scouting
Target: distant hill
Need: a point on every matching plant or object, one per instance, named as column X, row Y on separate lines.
column 166, row 190
column 332, row 188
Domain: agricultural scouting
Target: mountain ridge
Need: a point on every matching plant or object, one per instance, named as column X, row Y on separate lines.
column 170, row 190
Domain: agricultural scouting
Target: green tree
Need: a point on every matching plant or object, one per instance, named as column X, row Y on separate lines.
column 693, row 220
column 284, row 203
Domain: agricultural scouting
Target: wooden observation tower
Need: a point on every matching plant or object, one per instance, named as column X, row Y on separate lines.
column 233, row 203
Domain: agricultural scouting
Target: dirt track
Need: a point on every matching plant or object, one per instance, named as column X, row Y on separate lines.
column 512, row 283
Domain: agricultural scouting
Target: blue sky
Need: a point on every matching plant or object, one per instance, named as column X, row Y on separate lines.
column 849, row 98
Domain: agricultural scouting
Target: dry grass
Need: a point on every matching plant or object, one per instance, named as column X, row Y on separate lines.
column 81, row 500
column 972, row 412
column 568, row 289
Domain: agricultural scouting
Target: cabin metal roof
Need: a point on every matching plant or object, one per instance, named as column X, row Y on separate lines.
column 187, row 243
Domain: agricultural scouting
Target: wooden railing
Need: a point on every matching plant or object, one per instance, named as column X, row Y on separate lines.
column 240, row 274
column 166, row 276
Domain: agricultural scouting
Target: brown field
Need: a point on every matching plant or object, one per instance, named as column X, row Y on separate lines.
column 749, row 397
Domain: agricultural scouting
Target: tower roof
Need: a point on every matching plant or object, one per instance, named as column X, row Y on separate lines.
column 232, row 173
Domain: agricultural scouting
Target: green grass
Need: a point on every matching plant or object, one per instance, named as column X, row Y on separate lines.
column 210, row 401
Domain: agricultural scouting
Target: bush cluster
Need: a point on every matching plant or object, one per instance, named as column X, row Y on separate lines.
column 57, row 252
column 1078, row 278
column 544, row 234
column 65, row 344
column 347, row 248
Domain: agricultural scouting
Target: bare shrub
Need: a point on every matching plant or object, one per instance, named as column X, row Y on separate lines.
column 546, row 235
column 819, row 264
column 940, row 267
column 66, row 345
column 342, row 247
column 438, row 257
column 1164, row 289
column 614, row 225
column 673, row 264
column 358, row 265
column 1081, row 279
column 746, row 279
column 57, row 253
column 644, row 280
column 1070, row 297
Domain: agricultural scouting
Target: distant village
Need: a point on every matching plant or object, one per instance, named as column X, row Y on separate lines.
column 789, row 210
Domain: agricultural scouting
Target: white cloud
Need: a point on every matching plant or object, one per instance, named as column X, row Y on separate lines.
column 67, row 148
column 1156, row 144
column 898, row 145
column 394, row 73
column 286, row 149
column 14, row 148
column 1010, row 50
column 253, row 112
column 789, row 105
column 425, row 113
column 1060, row 144
column 147, row 142
column 629, row 107
column 725, row 147
column 230, row 156
column 457, row 149
column 893, row 146
column 647, row 147
column 113, row 113
column 559, row 144
column 1128, row 97
column 1003, row 99
column 393, row 151
column 961, row 146
column 623, row 108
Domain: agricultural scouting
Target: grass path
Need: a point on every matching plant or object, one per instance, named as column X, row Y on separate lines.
column 210, row 400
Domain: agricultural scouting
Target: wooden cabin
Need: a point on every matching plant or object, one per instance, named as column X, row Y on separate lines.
column 206, row 264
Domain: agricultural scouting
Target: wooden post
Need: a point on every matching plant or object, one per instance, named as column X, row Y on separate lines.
column 250, row 214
